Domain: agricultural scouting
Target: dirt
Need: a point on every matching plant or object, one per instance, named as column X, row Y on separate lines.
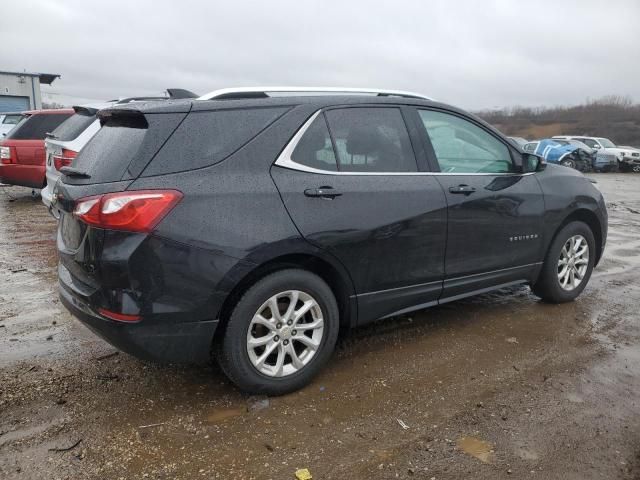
column 496, row 386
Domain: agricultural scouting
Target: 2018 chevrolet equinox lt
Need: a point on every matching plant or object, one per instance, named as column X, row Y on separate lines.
column 253, row 226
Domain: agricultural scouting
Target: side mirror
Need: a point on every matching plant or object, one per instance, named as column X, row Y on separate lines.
column 597, row 147
column 533, row 162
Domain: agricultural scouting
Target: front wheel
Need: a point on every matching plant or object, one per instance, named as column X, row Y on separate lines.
column 568, row 162
column 568, row 264
column 280, row 334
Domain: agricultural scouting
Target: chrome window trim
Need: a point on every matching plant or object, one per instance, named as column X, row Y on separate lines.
column 284, row 160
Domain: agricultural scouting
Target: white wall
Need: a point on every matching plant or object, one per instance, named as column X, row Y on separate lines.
column 10, row 85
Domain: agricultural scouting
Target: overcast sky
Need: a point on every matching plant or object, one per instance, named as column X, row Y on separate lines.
column 474, row 54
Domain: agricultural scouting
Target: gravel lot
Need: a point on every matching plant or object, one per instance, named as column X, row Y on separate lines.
column 497, row 386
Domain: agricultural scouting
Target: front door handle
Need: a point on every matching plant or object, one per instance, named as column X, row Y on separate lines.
column 322, row 192
column 462, row 189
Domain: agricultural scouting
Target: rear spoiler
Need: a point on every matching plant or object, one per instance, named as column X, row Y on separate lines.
column 124, row 118
column 85, row 110
column 176, row 93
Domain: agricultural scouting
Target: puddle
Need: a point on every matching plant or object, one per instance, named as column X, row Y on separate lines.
column 477, row 448
column 220, row 416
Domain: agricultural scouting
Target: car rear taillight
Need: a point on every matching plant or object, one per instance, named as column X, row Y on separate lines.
column 119, row 317
column 135, row 211
column 7, row 155
column 63, row 159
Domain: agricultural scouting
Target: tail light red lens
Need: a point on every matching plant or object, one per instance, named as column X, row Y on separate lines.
column 64, row 159
column 135, row 211
column 7, row 155
column 119, row 317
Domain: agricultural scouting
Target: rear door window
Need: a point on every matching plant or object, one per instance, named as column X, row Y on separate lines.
column 589, row 142
column 37, row 126
column 371, row 139
column 314, row 148
column 71, row 128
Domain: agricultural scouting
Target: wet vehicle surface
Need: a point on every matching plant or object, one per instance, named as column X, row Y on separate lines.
column 495, row 386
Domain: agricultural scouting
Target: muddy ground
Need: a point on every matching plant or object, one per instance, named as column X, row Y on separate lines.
column 498, row 386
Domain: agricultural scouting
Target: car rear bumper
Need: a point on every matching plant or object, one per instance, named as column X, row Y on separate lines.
column 47, row 196
column 31, row 176
column 149, row 339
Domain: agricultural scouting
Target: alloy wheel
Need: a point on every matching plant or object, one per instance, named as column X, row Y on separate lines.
column 285, row 333
column 573, row 262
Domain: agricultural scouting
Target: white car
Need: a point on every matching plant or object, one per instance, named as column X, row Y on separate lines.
column 63, row 144
column 632, row 158
column 8, row 121
column 607, row 150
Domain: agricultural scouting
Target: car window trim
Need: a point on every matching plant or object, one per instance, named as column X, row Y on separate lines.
column 284, row 160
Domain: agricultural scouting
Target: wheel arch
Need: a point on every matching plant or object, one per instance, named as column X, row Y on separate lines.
column 337, row 281
column 591, row 219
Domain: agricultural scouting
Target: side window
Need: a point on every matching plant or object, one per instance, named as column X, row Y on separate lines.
column 590, row 143
column 314, row 148
column 462, row 147
column 371, row 140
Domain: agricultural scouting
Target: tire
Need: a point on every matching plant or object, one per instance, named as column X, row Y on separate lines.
column 239, row 361
column 636, row 168
column 569, row 162
column 548, row 285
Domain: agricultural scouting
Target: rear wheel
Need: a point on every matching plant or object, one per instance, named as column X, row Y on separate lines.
column 636, row 168
column 280, row 334
column 568, row 265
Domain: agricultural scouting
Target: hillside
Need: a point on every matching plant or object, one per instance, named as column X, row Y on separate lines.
column 616, row 118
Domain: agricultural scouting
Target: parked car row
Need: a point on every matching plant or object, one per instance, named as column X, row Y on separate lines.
column 586, row 153
column 41, row 142
column 254, row 224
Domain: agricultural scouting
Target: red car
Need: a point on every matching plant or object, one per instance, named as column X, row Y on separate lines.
column 22, row 154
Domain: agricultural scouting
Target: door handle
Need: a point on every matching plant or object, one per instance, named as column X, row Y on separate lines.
column 462, row 189
column 322, row 192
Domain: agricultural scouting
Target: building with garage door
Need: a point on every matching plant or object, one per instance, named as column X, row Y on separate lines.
column 21, row 90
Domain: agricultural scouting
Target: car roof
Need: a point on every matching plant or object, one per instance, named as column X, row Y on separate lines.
column 319, row 101
column 315, row 102
column 49, row 111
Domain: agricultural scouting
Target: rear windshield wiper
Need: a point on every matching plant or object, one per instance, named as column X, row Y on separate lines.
column 50, row 135
column 74, row 172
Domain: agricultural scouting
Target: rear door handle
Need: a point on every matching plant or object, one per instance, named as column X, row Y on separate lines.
column 462, row 189
column 322, row 192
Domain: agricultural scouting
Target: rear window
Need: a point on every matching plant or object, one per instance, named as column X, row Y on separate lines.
column 74, row 125
column 110, row 151
column 206, row 138
column 37, row 126
column 124, row 145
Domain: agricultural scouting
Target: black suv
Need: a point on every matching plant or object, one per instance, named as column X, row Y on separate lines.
column 253, row 228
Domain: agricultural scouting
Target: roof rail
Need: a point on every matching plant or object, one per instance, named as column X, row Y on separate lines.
column 263, row 92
